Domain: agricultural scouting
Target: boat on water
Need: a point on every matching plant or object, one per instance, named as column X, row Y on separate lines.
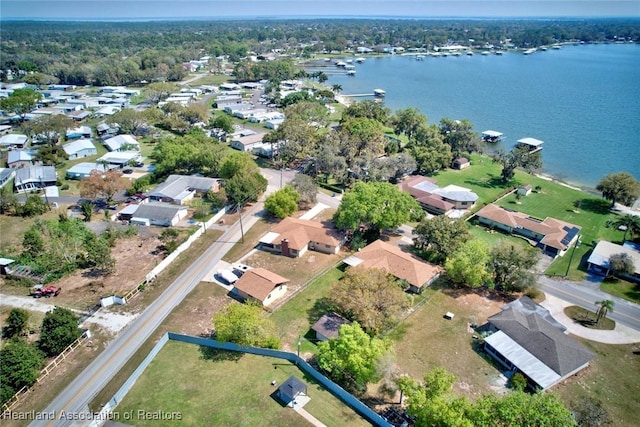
column 491, row 136
column 351, row 72
column 499, row 52
column 555, row 46
column 485, row 53
column 360, row 60
column 530, row 51
column 349, row 61
column 419, row 57
column 341, row 64
column 379, row 93
column 543, row 48
column 469, row 53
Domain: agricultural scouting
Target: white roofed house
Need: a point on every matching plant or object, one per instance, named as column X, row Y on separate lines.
column 79, row 132
column 122, row 143
column 19, row 158
column 34, row 178
column 80, row 148
column 179, row 189
column 248, row 142
column 84, row 169
column 120, row 159
column 13, row 140
column 599, row 259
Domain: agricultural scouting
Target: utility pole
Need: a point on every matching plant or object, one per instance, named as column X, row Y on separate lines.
column 241, row 228
column 45, row 193
column 573, row 251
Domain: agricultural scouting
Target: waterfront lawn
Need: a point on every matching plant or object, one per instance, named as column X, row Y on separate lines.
column 219, row 388
column 483, row 177
column 295, row 318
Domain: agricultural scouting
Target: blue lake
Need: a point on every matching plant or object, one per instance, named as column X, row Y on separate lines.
column 582, row 101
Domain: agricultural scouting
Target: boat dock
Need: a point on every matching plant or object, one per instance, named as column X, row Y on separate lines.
column 359, row 95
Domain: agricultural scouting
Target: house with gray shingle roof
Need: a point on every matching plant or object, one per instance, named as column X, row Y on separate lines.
column 160, row 214
column 179, row 189
column 526, row 342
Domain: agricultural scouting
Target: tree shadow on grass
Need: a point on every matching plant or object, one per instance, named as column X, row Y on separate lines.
column 217, row 355
column 599, row 206
column 492, row 181
column 321, row 307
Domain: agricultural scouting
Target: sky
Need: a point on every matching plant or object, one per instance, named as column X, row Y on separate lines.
column 168, row 9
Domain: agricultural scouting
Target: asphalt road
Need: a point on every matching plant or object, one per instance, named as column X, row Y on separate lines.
column 74, row 399
column 585, row 294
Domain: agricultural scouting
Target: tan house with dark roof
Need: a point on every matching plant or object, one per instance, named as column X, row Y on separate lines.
column 261, row 285
column 552, row 235
column 390, row 258
column 293, row 237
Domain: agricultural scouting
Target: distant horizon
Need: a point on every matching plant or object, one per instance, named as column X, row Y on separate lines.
column 169, row 10
column 314, row 17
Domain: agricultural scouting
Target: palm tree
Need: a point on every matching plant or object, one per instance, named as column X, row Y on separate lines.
column 605, row 306
column 337, row 88
column 628, row 223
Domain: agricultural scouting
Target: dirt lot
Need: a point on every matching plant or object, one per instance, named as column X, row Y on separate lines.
column 135, row 257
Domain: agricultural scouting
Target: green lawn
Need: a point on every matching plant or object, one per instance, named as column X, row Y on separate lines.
column 483, row 177
column 296, row 317
column 589, row 212
column 612, row 378
column 225, row 388
column 622, row 289
column 492, row 237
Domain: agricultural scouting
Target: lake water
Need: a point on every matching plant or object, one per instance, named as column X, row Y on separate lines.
column 582, row 101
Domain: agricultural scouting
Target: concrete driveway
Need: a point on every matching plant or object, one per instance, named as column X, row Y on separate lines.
column 620, row 335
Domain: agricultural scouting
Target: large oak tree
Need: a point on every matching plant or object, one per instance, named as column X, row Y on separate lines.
column 371, row 296
column 377, row 205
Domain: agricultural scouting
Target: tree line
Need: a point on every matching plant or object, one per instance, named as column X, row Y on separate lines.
column 21, row 359
column 116, row 53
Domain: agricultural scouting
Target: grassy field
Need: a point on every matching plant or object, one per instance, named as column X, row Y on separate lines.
column 296, row 317
column 623, row 289
column 426, row 340
column 227, row 390
column 612, row 378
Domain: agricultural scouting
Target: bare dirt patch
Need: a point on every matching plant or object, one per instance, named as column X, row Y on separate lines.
column 135, row 257
column 482, row 306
